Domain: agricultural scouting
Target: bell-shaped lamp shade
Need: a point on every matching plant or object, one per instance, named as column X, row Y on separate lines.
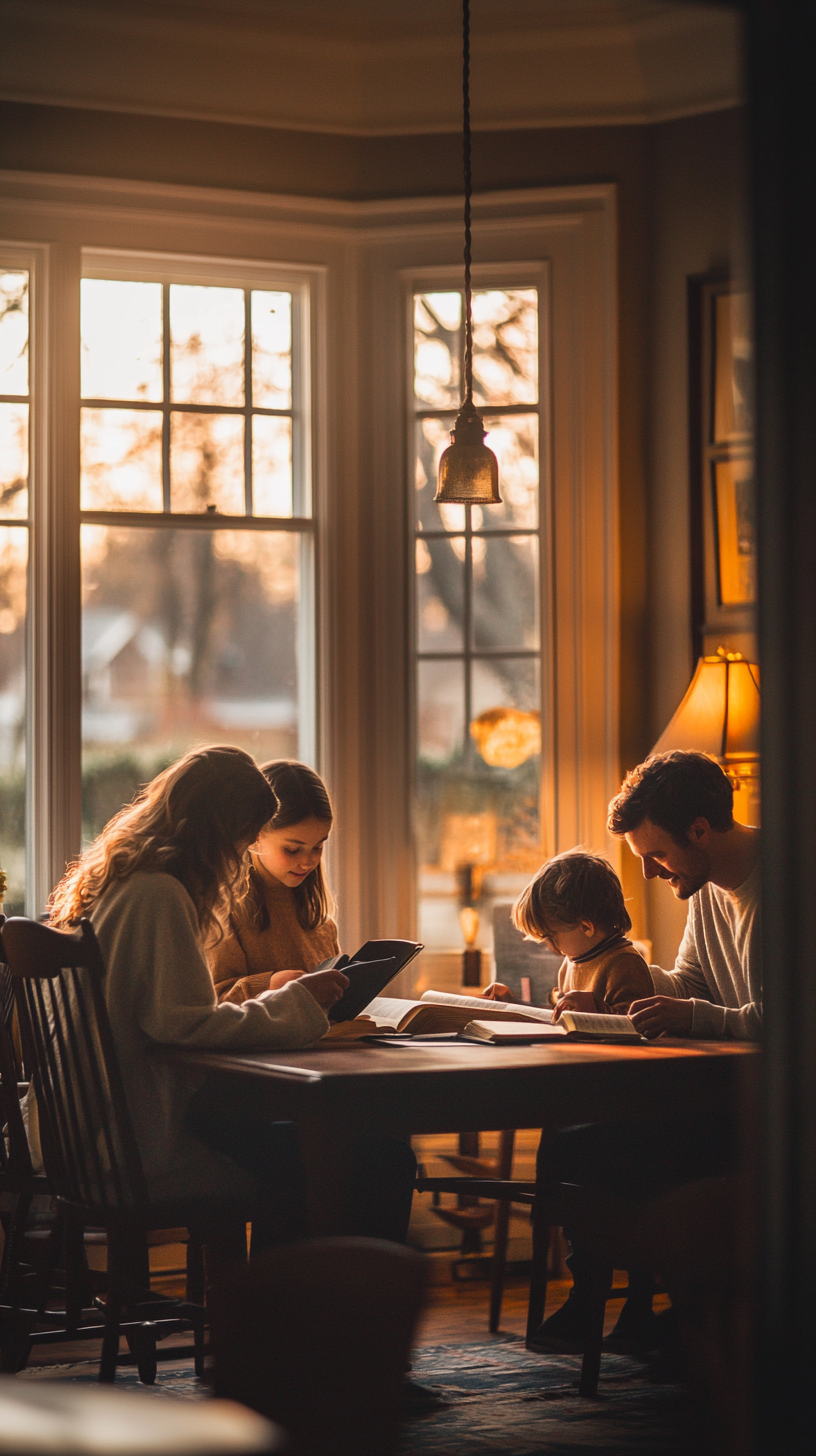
column 468, row 470
column 720, row 712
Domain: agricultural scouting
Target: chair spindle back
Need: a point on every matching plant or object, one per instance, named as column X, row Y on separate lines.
column 89, row 1147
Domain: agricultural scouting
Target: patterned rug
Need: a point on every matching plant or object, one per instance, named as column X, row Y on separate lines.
column 498, row 1400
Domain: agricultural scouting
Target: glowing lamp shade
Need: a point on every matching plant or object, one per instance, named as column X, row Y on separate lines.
column 468, row 470
column 506, row 737
column 720, row 712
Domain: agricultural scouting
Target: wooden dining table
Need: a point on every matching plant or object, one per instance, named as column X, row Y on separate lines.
column 337, row 1093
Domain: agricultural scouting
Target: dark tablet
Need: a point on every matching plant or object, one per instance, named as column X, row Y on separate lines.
column 403, row 951
column 366, row 980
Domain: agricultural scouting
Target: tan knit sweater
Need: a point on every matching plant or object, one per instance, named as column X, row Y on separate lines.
column 617, row 977
column 243, row 961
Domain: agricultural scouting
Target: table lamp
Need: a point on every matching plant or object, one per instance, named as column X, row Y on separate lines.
column 719, row 715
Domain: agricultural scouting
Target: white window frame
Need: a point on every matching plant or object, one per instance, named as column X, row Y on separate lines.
column 499, row 275
column 53, row 666
column 358, row 258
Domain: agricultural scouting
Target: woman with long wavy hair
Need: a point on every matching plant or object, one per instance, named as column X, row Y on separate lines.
column 153, row 884
column 158, row 884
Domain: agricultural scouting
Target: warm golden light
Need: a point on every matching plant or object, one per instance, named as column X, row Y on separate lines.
column 469, row 922
column 468, row 839
column 720, row 715
column 506, row 737
column 720, row 712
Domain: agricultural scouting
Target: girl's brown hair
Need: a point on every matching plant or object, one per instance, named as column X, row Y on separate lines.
column 301, row 794
column 571, row 887
column 192, row 821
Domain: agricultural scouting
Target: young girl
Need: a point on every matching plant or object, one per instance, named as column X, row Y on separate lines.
column 280, row 925
column 151, row 884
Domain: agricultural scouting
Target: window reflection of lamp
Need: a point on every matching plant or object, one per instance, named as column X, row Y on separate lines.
column 471, row 957
column 468, row 848
column 719, row 715
column 507, row 737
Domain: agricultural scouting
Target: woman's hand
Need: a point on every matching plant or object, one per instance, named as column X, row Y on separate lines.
column 577, row 1001
column 282, row 978
column 326, row 986
column 497, row 992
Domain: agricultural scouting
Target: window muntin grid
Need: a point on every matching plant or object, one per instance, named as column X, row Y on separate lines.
column 477, row 600
column 200, row 415
column 196, row 538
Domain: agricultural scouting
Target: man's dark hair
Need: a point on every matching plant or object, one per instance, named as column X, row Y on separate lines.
column 672, row 790
column 573, row 886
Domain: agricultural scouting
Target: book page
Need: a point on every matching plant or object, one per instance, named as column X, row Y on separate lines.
column 591, row 1021
column 488, row 1007
column 499, row 1031
column 389, row 1010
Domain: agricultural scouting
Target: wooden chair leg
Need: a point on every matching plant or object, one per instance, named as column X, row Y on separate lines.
column 591, row 1363
column 195, row 1294
column 16, row 1223
column 76, row 1273
column 114, row 1299
column 504, row 1170
column 499, row 1265
column 538, row 1278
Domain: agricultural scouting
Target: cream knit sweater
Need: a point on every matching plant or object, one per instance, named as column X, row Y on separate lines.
column 158, row 989
column 719, row 963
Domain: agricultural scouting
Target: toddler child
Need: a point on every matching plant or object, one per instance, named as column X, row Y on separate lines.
column 575, row 905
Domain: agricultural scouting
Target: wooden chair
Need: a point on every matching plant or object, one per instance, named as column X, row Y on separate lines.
column 91, row 1157
column 549, row 1209
column 19, row 1184
column 317, row 1336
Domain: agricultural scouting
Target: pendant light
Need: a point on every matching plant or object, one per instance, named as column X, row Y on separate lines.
column 468, row 470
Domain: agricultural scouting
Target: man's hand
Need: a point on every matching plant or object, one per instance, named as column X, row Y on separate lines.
column 326, row 986
column 282, row 978
column 577, row 1001
column 662, row 1016
column 496, row 992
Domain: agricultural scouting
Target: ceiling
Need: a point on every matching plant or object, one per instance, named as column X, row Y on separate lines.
column 374, row 67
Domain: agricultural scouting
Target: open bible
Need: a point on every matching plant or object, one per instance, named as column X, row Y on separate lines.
column 571, row 1026
column 440, row 1011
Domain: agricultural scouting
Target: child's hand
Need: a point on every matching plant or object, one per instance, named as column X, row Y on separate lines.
column 282, row 978
column 326, row 986
column 496, row 992
column 577, row 1001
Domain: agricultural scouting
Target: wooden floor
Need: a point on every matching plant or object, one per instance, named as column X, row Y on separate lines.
column 455, row 1314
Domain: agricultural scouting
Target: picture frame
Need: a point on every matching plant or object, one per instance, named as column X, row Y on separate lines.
column 721, row 465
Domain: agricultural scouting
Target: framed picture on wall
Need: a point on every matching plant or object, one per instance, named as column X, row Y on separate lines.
column 721, row 465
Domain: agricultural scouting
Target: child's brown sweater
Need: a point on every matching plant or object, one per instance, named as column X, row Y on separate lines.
column 243, row 961
column 617, row 975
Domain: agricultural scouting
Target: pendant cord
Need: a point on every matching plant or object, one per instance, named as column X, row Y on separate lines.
column 467, row 170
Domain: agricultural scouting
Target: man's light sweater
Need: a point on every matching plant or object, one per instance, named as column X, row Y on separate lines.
column 719, row 963
column 158, row 989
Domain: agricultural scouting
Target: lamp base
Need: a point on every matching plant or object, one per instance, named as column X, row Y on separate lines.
column 471, row 968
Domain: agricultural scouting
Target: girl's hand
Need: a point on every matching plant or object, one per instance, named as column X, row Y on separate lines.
column 282, row 978
column 326, row 986
column 577, row 1001
column 497, row 992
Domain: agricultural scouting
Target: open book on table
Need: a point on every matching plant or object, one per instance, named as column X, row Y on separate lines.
column 570, row 1026
column 440, row 1011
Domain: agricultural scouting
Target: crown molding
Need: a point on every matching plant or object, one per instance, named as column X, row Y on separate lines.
column 591, row 65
